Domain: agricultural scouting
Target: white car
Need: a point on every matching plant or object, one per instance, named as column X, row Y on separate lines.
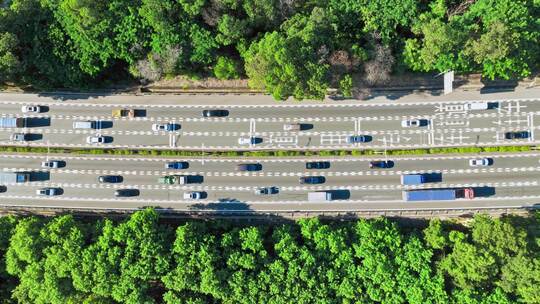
column 413, row 123
column 50, row 164
column 247, row 140
column 193, row 195
column 480, row 162
column 163, row 127
column 31, row 109
column 96, row 139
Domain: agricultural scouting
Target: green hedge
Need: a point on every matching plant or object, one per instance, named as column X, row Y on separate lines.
column 277, row 153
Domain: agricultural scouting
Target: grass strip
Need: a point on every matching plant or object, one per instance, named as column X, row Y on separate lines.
column 274, row 153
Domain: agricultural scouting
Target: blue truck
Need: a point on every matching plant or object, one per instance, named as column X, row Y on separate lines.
column 437, row 194
column 12, row 122
column 413, row 179
column 421, row 178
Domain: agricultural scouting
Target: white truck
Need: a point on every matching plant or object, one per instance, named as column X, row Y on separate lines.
column 14, row 177
column 319, row 196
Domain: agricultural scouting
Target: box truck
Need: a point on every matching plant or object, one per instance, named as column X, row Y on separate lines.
column 437, row 194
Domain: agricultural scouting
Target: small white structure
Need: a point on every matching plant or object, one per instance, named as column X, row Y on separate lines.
column 448, row 81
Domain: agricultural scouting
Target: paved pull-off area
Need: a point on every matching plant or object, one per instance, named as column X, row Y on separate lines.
column 505, row 180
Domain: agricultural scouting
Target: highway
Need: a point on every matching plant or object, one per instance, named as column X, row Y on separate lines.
column 327, row 125
column 512, row 180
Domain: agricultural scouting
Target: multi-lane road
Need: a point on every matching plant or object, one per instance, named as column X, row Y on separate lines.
column 512, row 180
column 327, row 126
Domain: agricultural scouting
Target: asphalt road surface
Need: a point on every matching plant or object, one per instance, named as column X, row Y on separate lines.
column 512, row 180
column 326, row 125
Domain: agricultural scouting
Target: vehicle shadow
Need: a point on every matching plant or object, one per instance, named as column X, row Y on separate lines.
column 34, row 122
column 104, row 124
column 306, row 126
column 36, row 176
column 484, row 191
column 223, row 204
column 196, row 179
column 435, row 177
column 339, row 194
column 34, row 137
column 140, row 112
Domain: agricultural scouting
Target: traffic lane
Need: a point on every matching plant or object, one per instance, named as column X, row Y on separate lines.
column 74, row 110
column 93, row 191
column 481, row 175
column 229, row 139
column 195, row 111
column 361, row 165
column 293, row 201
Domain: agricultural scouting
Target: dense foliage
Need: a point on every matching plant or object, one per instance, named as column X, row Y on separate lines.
column 140, row 260
column 289, row 47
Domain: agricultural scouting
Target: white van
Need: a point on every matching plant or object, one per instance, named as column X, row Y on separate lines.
column 477, row 106
column 292, row 127
column 84, row 124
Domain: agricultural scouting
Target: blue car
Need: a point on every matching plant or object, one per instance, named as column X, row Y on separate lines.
column 383, row 164
column 318, row 165
column 358, row 139
column 312, row 180
column 516, row 135
column 177, row 165
column 249, row 167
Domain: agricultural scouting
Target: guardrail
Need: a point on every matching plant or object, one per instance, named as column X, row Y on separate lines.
column 276, row 215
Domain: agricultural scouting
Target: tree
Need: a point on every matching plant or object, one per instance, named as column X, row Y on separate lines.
column 125, row 261
column 291, row 64
column 439, row 48
column 231, row 29
column 346, row 86
column 9, row 63
column 384, row 16
column 102, row 31
column 226, row 68
column 41, row 255
column 435, row 236
column 7, row 227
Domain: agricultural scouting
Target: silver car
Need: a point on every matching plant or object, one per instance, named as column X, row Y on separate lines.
column 266, row 191
column 19, row 137
column 51, row 164
column 49, row 191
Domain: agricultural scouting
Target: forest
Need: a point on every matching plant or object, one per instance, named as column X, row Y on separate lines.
column 297, row 48
column 148, row 259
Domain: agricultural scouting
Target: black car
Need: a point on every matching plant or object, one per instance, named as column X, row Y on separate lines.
column 383, row 164
column 318, row 165
column 516, row 135
column 249, row 167
column 110, row 179
column 126, row 192
column 215, row 113
column 312, row 180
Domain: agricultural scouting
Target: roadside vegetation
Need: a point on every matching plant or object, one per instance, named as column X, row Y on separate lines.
column 141, row 259
column 274, row 153
column 293, row 48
